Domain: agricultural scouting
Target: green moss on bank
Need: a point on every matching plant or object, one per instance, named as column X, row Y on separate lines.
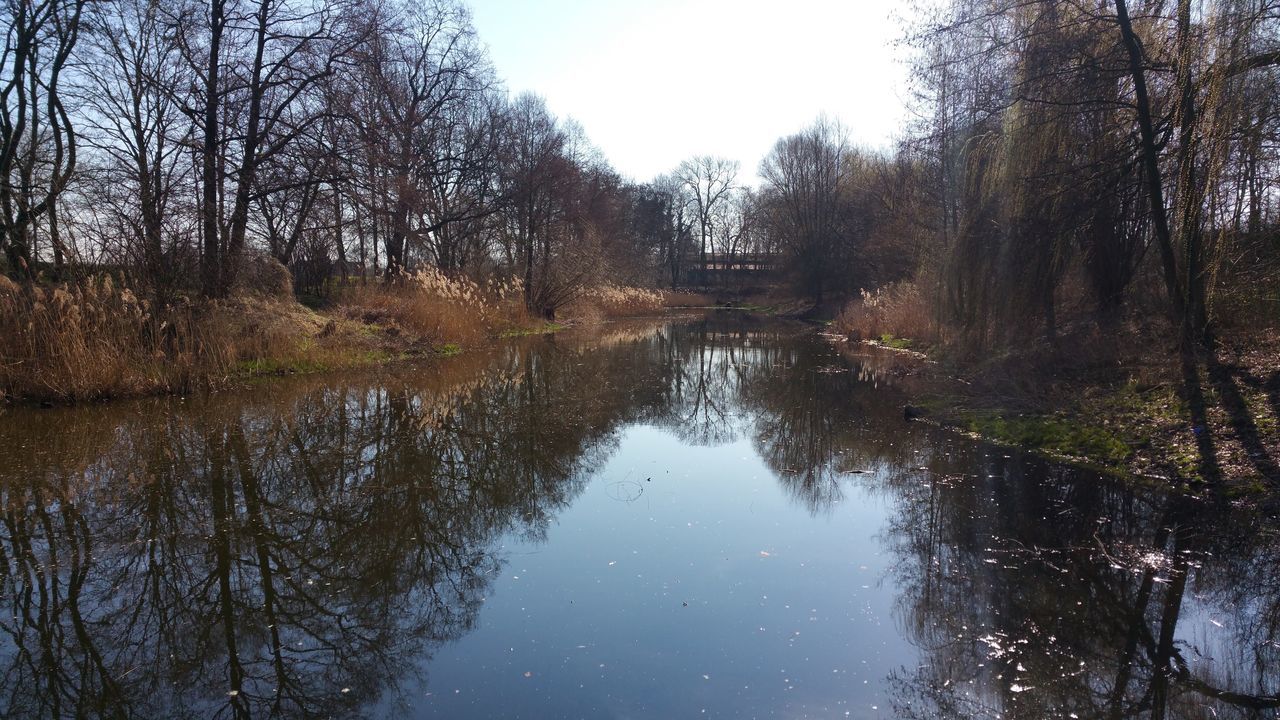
column 543, row 329
column 897, row 343
column 1054, row 436
column 1121, row 429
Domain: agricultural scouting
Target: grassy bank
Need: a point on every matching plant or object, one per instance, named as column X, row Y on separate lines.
column 1124, row 401
column 97, row 339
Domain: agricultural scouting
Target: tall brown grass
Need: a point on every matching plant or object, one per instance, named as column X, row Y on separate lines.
column 615, row 301
column 900, row 310
column 94, row 339
column 686, row 299
column 97, row 339
column 439, row 308
column 621, row 301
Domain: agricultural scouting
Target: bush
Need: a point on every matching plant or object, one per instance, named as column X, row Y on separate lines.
column 262, row 274
column 899, row 310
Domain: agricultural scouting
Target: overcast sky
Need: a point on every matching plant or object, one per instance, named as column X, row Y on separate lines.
column 655, row 81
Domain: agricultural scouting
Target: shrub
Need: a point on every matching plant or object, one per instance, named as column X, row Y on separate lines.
column 262, row 274
column 899, row 310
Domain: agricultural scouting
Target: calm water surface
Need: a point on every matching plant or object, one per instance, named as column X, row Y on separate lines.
column 713, row 518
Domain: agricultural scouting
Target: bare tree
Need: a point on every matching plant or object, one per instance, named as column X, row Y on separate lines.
column 805, row 176
column 135, row 129
column 256, row 65
column 1211, row 57
column 424, row 77
column 677, row 204
column 538, row 177
column 709, row 180
column 37, row 139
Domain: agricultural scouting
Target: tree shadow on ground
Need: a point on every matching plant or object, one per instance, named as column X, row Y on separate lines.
column 1198, row 408
column 1226, row 381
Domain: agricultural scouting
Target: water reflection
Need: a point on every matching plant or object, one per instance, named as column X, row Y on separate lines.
column 1036, row 592
column 304, row 549
column 279, row 558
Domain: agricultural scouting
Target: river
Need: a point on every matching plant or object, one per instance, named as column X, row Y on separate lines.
column 702, row 517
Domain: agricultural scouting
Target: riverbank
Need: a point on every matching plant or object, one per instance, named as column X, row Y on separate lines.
column 97, row 340
column 1126, row 405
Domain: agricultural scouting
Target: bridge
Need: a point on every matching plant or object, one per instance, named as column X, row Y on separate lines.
column 732, row 269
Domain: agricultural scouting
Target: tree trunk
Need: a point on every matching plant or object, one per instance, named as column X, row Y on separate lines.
column 1151, row 164
column 210, row 260
column 399, row 238
column 247, row 174
column 1190, row 233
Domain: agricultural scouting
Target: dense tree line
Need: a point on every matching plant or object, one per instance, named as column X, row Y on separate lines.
column 1068, row 155
column 183, row 141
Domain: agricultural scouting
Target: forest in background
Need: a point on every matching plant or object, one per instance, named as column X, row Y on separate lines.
column 1073, row 168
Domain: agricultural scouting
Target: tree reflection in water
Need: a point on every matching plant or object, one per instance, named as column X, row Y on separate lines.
column 304, row 549
column 286, row 557
column 1040, row 592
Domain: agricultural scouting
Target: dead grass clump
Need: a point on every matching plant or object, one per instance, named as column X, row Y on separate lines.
column 263, row 275
column 899, row 310
column 439, row 308
column 615, row 301
column 260, row 328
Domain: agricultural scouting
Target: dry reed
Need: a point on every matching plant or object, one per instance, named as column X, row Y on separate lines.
column 91, row 339
column 899, row 310
column 616, row 301
column 686, row 299
column 96, row 339
column 438, row 307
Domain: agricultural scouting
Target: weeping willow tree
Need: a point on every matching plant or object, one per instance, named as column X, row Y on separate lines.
column 1037, row 205
column 1045, row 185
column 1081, row 145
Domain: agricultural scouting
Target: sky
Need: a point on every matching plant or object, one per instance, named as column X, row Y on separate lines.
column 653, row 82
